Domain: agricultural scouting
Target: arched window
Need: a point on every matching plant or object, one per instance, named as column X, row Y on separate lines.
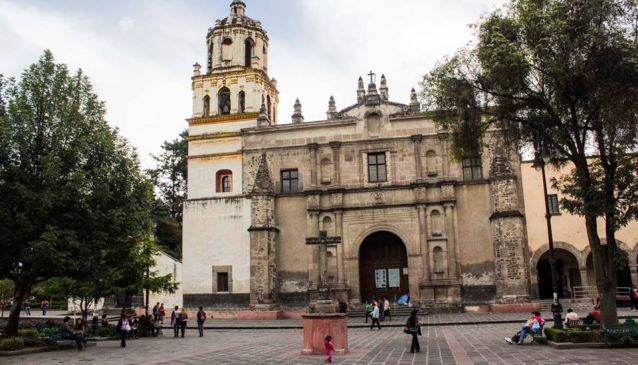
column 269, row 106
column 248, row 52
column 211, row 48
column 242, row 102
column 327, row 226
column 438, row 258
column 224, row 100
column 224, row 181
column 206, row 106
column 227, row 50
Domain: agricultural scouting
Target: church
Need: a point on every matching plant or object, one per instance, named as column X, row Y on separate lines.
column 366, row 203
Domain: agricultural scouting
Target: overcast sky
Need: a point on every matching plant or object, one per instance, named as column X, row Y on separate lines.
column 139, row 53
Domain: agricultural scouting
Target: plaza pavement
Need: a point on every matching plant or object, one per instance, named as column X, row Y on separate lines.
column 440, row 344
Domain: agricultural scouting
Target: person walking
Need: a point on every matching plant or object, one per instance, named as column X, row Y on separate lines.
column 413, row 327
column 156, row 313
column 375, row 316
column 175, row 323
column 201, row 318
column 123, row 328
column 45, row 307
column 27, row 307
column 162, row 313
column 183, row 320
column 368, row 308
column 329, row 348
column 386, row 308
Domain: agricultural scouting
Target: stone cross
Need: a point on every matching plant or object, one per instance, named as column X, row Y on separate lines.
column 372, row 75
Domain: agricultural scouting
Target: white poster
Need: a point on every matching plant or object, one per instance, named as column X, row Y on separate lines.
column 394, row 278
column 380, row 279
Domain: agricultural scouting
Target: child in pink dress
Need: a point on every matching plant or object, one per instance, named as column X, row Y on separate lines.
column 330, row 350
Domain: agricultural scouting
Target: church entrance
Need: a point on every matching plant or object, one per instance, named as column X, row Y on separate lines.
column 383, row 267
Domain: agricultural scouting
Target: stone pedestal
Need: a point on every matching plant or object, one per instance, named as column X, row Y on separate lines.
column 317, row 326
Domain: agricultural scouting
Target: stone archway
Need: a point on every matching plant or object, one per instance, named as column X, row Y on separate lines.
column 623, row 275
column 568, row 274
column 383, row 261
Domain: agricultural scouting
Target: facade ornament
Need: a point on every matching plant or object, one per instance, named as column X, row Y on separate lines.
column 415, row 107
column 262, row 120
column 384, row 89
column 361, row 92
column 297, row 116
column 263, row 182
column 332, row 108
column 372, row 97
column 197, row 69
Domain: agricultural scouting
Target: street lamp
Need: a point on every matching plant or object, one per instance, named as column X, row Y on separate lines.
column 541, row 158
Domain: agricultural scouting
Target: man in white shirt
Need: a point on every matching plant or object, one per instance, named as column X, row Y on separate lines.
column 570, row 316
column 375, row 316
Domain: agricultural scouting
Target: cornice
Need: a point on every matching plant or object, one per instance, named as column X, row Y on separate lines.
column 216, row 155
column 225, row 118
column 220, row 135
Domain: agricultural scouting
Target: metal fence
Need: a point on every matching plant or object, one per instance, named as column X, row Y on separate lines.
column 585, row 292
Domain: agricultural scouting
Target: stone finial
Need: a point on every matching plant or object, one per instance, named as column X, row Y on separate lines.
column 332, row 108
column 372, row 97
column 197, row 69
column 263, row 182
column 262, row 119
column 384, row 89
column 414, row 102
column 274, row 82
column 361, row 91
column 297, row 116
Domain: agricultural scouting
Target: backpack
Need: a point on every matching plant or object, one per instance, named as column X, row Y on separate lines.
column 536, row 327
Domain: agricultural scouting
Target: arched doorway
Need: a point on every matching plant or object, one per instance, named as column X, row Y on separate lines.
column 623, row 271
column 568, row 274
column 383, row 263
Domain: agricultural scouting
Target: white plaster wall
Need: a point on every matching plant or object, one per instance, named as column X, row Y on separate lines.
column 164, row 265
column 202, row 174
column 214, row 146
column 216, row 234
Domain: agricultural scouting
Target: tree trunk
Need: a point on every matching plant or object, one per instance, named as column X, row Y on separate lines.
column 19, row 293
column 604, row 268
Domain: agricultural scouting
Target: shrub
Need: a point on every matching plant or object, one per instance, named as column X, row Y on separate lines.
column 574, row 334
column 11, row 344
column 28, row 332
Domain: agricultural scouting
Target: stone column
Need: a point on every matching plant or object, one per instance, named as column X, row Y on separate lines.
column 448, row 208
column 340, row 249
column 417, row 156
column 423, row 241
column 313, row 164
column 584, row 281
column 336, row 176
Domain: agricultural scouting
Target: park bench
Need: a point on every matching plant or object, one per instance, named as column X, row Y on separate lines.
column 574, row 323
column 627, row 329
column 537, row 336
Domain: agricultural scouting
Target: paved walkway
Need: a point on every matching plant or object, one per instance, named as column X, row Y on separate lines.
column 459, row 344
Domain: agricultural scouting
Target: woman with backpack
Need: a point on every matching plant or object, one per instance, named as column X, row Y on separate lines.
column 413, row 327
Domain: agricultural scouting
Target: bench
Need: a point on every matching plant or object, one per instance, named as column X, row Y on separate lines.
column 574, row 323
column 627, row 329
column 537, row 336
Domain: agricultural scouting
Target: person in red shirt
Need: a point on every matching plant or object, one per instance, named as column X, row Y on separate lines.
column 596, row 313
column 330, row 350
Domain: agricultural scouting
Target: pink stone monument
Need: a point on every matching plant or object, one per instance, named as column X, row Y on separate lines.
column 317, row 326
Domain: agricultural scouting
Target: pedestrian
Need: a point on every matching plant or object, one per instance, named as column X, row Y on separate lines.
column 27, row 307
column 162, row 313
column 343, row 306
column 386, row 308
column 156, row 313
column 633, row 297
column 45, row 307
column 368, row 308
column 175, row 321
column 330, row 349
column 183, row 320
column 375, row 316
column 413, row 327
column 123, row 328
column 201, row 318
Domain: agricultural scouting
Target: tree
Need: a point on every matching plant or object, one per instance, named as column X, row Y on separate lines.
column 565, row 71
column 70, row 187
column 6, row 290
column 169, row 178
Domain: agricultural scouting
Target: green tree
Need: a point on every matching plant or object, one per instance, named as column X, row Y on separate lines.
column 70, row 187
column 169, row 178
column 567, row 71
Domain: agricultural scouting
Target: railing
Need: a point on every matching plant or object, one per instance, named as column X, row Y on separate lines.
column 591, row 292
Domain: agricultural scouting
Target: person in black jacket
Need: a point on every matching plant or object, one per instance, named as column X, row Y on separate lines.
column 123, row 328
column 414, row 328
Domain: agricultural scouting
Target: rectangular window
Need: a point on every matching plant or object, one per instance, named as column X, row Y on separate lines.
column 377, row 171
column 552, row 200
column 289, row 181
column 222, row 282
column 472, row 170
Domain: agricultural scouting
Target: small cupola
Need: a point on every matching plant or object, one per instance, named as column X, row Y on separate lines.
column 237, row 8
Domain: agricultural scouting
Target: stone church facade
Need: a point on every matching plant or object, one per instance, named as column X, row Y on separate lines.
column 368, row 202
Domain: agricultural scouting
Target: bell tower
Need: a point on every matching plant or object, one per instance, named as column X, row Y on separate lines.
column 236, row 78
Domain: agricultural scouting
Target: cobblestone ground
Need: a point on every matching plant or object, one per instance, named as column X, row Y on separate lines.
column 460, row 344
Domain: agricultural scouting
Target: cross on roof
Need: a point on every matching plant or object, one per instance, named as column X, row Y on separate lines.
column 372, row 75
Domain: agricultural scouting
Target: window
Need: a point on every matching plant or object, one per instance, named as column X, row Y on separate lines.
column 224, row 181
column 552, row 200
column 210, row 57
column 377, row 167
column 242, row 102
column 222, row 282
column 289, row 181
column 206, row 106
column 269, row 106
column 224, row 101
column 227, row 51
column 248, row 52
column 472, row 170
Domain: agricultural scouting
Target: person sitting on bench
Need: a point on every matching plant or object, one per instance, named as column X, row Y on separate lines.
column 570, row 316
column 533, row 324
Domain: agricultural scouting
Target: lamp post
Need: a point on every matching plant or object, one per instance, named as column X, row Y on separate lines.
column 541, row 158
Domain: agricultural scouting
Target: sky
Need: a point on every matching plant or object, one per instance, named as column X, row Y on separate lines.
column 139, row 53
